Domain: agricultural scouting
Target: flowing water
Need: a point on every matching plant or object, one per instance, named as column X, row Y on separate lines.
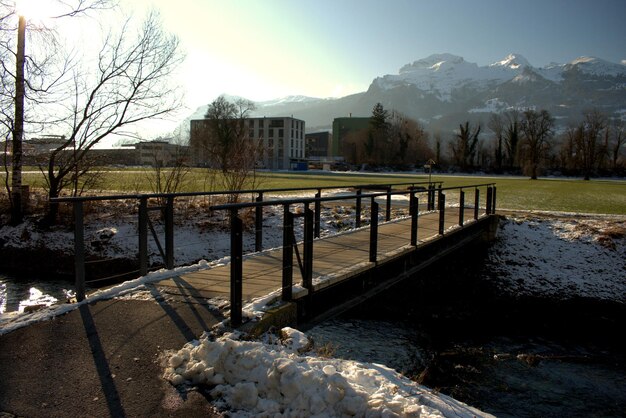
column 16, row 295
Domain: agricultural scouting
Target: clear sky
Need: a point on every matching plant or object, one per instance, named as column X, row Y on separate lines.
column 265, row 49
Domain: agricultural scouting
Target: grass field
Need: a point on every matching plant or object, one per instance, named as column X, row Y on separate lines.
column 564, row 195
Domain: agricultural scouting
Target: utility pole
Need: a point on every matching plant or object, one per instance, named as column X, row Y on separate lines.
column 18, row 126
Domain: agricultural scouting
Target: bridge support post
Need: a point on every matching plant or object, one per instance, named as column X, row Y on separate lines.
column 414, row 210
column 476, row 203
column 258, row 224
column 442, row 212
column 143, row 235
column 318, row 212
column 493, row 201
column 287, row 254
column 307, row 278
column 169, row 233
column 79, row 250
column 488, row 204
column 374, row 231
column 236, row 269
column 461, row 206
column 357, row 221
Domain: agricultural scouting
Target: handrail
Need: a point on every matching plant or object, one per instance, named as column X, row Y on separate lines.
column 63, row 199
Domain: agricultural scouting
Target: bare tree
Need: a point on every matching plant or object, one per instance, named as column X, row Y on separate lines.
column 589, row 147
column 227, row 129
column 617, row 144
column 30, row 81
column 496, row 124
column 536, row 129
column 130, row 85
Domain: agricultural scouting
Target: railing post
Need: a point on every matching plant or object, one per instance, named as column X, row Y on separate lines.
column 357, row 222
column 493, row 201
column 258, row 224
column 143, row 235
column 476, row 203
column 442, row 211
column 307, row 279
column 414, row 210
column 169, row 233
column 431, row 197
column 318, row 212
column 287, row 253
column 374, row 231
column 388, row 208
column 461, row 206
column 236, row 269
column 439, row 194
column 488, row 203
column 79, row 250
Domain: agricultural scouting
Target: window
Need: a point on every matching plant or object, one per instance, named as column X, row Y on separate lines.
column 277, row 123
column 281, row 133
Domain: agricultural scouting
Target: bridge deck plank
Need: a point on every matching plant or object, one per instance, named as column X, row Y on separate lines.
column 262, row 272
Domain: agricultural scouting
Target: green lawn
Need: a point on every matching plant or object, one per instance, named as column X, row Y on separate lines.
column 565, row 195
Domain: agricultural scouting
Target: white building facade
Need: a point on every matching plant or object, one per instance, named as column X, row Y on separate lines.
column 282, row 139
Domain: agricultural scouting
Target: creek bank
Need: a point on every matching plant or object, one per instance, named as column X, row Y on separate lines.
column 505, row 353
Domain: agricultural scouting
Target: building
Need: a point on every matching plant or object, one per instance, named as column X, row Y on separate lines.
column 318, row 145
column 342, row 127
column 159, row 153
column 282, row 140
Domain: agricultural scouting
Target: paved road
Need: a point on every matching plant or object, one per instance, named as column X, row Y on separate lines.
column 102, row 360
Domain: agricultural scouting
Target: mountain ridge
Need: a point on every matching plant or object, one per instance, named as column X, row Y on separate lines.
column 443, row 90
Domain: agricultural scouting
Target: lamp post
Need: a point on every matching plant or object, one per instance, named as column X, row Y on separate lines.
column 18, row 126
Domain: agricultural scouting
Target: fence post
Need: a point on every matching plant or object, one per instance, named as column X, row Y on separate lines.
column 442, row 211
column 143, row 235
column 476, row 203
column 318, row 212
column 287, row 253
column 357, row 221
column 374, row 231
column 493, row 201
column 169, row 233
column 236, row 268
column 414, row 210
column 79, row 250
column 439, row 194
column 488, row 203
column 388, row 208
column 258, row 224
column 307, row 278
column 461, row 206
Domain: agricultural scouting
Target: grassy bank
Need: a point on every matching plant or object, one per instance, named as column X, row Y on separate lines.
column 520, row 193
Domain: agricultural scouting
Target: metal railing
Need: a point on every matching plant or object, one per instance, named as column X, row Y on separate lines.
column 309, row 225
column 166, row 207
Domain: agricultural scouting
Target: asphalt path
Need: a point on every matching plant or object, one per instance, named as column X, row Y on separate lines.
column 103, row 359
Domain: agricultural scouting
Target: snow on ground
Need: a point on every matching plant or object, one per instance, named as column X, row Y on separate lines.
column 283, row 377
column 561, row 258
column 551, row 256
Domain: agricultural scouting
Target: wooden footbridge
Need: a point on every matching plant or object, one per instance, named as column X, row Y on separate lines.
column 318, row 277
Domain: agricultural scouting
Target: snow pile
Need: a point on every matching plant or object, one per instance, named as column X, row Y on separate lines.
column 561, row 258
column 277, row 378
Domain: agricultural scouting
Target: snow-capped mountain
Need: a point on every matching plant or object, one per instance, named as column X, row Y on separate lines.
column 444, row 90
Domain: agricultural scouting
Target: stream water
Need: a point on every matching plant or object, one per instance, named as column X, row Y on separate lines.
column 16, row 294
